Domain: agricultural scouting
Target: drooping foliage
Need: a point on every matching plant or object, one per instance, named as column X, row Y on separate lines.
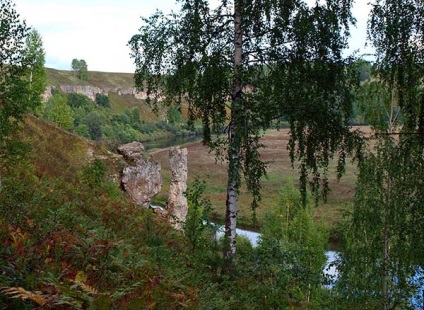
column 396, row 31
column 384, row 231
column 241, row 66
column 383, row 245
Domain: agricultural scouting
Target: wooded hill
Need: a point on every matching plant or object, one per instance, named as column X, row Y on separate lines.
column 108, row 107
column 105, row 81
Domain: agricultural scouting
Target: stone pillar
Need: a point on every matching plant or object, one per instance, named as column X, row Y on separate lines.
column 177, row 201
column 141, row 179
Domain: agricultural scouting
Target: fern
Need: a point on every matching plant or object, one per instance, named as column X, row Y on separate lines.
column 19, row 292
column 87, row 288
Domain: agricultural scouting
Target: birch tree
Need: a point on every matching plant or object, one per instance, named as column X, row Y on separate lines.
column 16, row 96
column 385, row 229
column 241, row 66
column 34, row 62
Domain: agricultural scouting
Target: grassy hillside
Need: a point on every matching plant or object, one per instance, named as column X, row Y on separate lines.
column 56, row 153
column 95, row 78
column 70, row 239
column 114, row 121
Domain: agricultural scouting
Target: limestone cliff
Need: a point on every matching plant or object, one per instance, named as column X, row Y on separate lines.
column 91, row 91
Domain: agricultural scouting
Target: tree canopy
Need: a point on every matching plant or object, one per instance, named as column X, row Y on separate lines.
column 21, row 74
column 243, row 65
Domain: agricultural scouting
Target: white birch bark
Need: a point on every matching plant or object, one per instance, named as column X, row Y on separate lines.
column 234, row 145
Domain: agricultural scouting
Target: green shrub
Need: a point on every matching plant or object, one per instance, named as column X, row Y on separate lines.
column 102, row 100
column 76, row 100
column 58, row 111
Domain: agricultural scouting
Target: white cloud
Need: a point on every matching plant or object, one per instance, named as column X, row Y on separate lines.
column 99, row 30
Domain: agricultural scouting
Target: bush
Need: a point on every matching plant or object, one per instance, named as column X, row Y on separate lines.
column 79, row 101
column 197, row 223
column 82, row 130
column 102, row 100
column 94, row 120
column 290, row 257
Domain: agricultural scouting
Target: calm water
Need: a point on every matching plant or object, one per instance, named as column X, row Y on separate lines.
column 164, row 143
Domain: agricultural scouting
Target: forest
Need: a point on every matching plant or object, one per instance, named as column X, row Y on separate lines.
column 268, row 84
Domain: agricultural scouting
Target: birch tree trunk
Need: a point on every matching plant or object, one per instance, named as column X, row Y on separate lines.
column 386, row 258
column 234, row 136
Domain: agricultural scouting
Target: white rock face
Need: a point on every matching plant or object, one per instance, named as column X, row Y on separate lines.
column 141, row 179
column 177, row 202
column 91, row 91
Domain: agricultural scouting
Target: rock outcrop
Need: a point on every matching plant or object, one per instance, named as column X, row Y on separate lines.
column 177, row 201
column 91, row 91
column 47, row 93
column 141, row 178
column 132, row 151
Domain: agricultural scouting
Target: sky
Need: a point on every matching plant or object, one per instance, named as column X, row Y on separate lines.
column 98, row 31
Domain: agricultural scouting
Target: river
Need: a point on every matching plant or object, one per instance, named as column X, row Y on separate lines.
column 174, row 141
